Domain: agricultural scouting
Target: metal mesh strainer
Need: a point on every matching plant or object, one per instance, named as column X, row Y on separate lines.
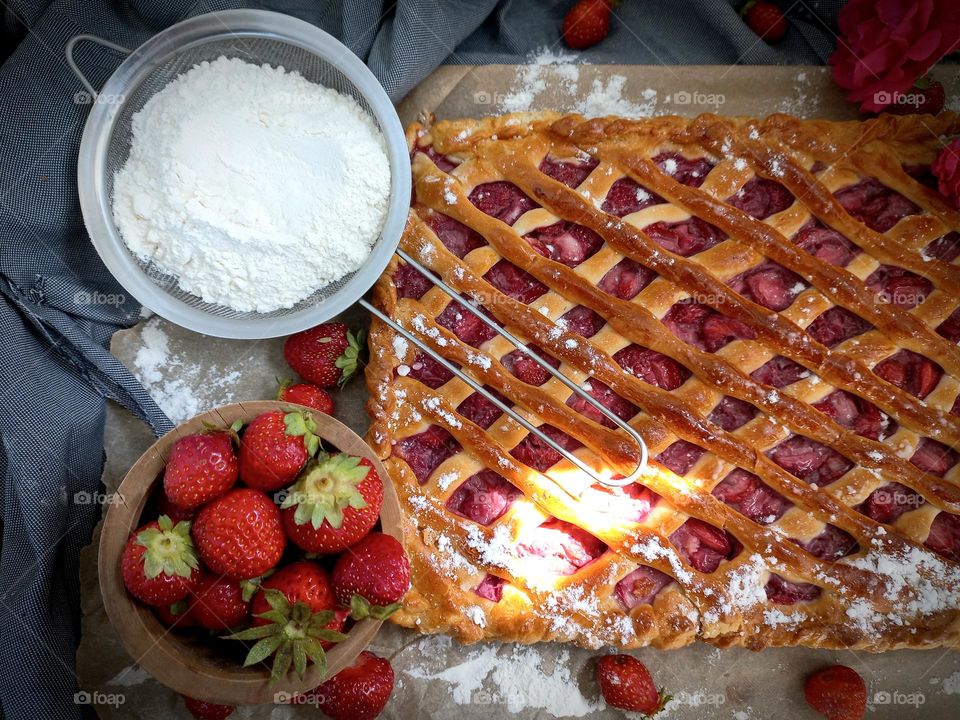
column 256, row 36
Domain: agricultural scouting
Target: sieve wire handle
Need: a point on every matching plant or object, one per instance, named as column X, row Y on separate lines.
column 68, row 51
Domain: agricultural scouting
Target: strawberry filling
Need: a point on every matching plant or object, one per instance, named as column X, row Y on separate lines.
column 950, row 328
column 934, row 457
column 703, row 327
column 444, row 163
column 526, row 369
column 703, row 545
column 898, row 286
column 770, row 285
column 748, row 495
column 424, row 451
column 944, row 537
column 779, row 371
column 760, row 198
column 691, row 172
column 581, row 320
column 625, row 279
column 619, row 406
column 887, row 503
column 483, row 497
column 632, row 502
column 501, row 199
column 809, row 460
column 784, row 592
column 856, row 414
column 409, row 282
column 535, row 453
column 563, row 548
column 465, row 325
column 428, row 371
column 687, row 237
column 491, row 588
column 640, row 587
column 910, row 372
column 955, row 410
column 826, row 244
column 455, row 236
column 731, row 413
column 569, row 172
column 652, row 367
column 565, row 242
column 627, row 196
column 831, row 544
column 515, row 282
column 946, row 247
column 836, row 325
column 875, row 205
column 680, row 456
column 479, row 410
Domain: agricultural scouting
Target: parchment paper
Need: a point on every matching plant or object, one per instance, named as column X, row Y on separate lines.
column 548, row 680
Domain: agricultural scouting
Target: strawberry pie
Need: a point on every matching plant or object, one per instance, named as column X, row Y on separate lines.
column 773, row 306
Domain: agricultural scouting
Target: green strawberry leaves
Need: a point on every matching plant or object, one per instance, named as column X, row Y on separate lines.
column 169, row 549
column 361, row 609
column 349, row 361
column 292, row 635
column 327, row 488
column 300, row 425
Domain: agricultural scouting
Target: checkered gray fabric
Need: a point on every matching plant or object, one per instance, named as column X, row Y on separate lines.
column 59, row 305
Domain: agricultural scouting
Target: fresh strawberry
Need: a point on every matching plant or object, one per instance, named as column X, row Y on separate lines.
column 586, row 23
column 178, row 614
column 837, row 693
column 295, row 617
column 335, row 502
column 218, row 603
column 306, row 394
column 159, row 564
column 203, row 710
column 372, row 578
column 926, row 97
column 765, row 19
column 326, row 355
column 275, row 447
column 240, row 535
column 626, row 684
column 358, row 692
column 200, row 468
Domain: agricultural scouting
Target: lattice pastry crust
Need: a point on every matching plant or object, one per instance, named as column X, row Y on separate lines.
column 771, row 303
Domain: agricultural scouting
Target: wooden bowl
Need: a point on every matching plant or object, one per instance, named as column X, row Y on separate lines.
column 188, row 663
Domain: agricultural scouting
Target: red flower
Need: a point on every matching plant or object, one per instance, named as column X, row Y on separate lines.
column 886, row 45
column 947, row 169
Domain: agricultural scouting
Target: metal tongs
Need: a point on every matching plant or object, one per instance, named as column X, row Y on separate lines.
column 467, row 305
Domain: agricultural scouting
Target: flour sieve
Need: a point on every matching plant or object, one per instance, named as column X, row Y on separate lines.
column 255, row 36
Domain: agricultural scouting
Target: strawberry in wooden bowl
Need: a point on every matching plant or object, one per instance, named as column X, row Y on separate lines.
column 219, row 562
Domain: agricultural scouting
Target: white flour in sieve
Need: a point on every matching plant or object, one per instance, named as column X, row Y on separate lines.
column 251, row 185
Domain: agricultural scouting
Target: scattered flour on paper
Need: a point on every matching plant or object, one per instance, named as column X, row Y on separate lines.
column 194, row 390
column 559, row 69
column 804, row 100
column 129, row 676
column 517, row 679
column 951, row 685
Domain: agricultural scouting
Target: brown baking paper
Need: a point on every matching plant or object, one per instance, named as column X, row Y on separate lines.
column 437, row 678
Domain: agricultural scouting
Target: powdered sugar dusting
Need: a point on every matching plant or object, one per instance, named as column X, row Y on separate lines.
column 560, row 72
column 181, row 389
column 516, row 677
